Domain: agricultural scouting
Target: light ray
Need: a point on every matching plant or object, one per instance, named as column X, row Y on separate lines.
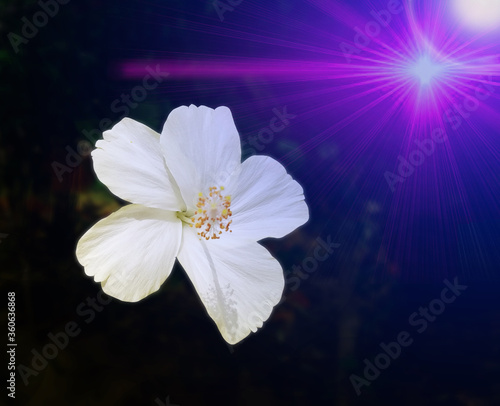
column 375, row 98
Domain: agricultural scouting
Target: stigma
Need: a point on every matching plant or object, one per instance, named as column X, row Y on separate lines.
column 212, row 215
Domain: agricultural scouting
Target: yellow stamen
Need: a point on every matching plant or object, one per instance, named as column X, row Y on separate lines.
column 212, row 213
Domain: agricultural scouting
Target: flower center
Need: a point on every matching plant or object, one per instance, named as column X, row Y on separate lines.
column 212, row 214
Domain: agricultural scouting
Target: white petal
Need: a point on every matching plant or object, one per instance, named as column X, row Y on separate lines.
column 202, row 149
column 267, row 201
column 130, row 162
column 238, row 282
column 132, row 251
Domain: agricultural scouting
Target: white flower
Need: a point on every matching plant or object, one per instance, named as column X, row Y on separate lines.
column 192, row 199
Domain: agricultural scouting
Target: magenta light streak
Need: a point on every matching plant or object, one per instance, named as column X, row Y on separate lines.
column 244, row 68
column 421, row 72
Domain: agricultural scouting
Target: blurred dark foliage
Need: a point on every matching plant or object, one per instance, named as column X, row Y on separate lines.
column 166, row 345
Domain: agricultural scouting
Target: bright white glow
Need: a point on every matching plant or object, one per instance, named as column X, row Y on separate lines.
column 479, row 14
column 425, row 70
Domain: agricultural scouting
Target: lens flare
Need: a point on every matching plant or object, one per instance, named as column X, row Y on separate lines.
column 381, row 87
column 479, row 14
column 426, row 70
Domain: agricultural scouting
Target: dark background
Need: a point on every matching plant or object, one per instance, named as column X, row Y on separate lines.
column 62, row 82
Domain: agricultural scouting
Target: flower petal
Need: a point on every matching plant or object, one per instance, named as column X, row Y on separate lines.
column 201, row 147
column 267, row 202
column 238, row 282
column 130, row 162
column 132, row 251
